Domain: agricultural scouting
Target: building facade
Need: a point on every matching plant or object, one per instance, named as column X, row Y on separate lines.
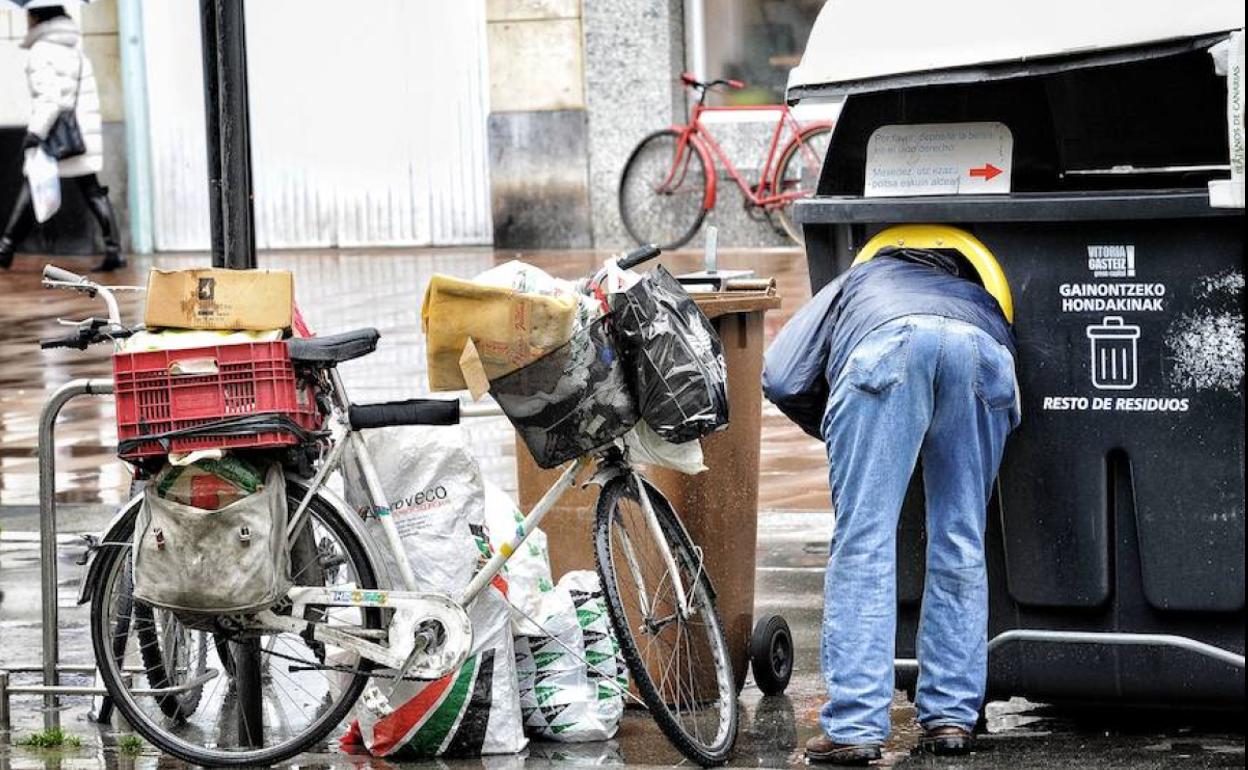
column 395, row 123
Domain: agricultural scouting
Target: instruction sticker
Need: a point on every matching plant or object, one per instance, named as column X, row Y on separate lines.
column 1148, row 345
column 939, row 159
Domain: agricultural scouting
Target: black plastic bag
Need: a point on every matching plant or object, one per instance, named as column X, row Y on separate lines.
column 570, row 401
column 675, row 359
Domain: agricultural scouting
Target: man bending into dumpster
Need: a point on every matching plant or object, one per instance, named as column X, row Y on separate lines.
column 904, row 360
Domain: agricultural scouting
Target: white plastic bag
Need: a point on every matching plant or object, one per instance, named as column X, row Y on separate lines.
column 618, row 280
column 556, row 699
column 528, row 279
column 436, row 495
column 524, row 277
column 605, row 670
column 437, row 500
column 528, row 569
column 647, row 447
column 45, row 183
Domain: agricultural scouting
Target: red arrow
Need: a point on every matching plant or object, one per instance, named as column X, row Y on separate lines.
column 987, row 172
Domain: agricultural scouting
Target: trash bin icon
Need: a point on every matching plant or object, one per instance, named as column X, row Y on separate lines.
column 1114, row 365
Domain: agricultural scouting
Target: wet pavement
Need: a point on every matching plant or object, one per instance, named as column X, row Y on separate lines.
column 337, row 291
column 790, row 575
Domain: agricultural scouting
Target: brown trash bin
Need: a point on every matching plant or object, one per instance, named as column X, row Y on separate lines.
column 719, row 506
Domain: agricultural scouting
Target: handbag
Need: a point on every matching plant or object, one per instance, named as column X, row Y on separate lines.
column 64, row 139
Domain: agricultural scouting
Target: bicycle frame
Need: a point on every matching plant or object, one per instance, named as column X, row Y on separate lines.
column 696, row 135
column 351, row 441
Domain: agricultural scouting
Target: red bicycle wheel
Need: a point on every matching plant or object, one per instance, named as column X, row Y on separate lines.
column 798, row 172
column 663, row 191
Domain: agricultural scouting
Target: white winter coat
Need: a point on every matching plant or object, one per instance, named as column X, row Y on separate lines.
column 56, row 71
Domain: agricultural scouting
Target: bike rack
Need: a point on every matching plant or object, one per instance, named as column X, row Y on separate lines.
column 51, row 689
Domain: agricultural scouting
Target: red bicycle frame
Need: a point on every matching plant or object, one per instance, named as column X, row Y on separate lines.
column 695, row 136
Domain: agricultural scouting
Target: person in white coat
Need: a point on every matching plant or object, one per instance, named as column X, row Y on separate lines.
column 61, row 78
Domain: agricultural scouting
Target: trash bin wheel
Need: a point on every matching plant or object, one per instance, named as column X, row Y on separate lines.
column 771, row 654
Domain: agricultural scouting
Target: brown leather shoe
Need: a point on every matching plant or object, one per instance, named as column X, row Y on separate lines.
column 947, row 740
column 823, row 750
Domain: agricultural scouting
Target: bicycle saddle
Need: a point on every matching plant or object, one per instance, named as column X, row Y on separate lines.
column 334, row 348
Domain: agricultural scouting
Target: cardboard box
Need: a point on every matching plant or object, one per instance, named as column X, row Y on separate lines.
column 220, row 299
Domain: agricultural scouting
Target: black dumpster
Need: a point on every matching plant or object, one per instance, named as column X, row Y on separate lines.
column 1116, row 556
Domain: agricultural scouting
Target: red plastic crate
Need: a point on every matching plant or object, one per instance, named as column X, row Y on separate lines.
column 251, row 378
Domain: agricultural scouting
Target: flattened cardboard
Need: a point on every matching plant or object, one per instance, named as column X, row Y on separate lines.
column 212, row 298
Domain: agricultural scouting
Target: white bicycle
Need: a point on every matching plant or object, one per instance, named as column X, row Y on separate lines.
column 230, row 690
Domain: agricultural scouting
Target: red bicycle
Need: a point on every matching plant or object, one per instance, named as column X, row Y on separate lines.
column 669, row 181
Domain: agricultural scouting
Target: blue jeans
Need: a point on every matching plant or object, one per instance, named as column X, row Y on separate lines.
column 940, row 390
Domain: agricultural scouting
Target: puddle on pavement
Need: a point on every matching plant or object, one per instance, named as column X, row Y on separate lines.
column 772, row 731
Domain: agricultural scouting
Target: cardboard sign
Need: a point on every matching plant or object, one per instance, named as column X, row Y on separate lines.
column 219, row 299
column 939, row 159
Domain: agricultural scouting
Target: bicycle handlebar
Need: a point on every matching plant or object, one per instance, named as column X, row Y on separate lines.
column 688, row 79
column 88, row 332
column 54, row 273
column 73, row 340
column 59, row 278
column 636, row 257
column 417, row 411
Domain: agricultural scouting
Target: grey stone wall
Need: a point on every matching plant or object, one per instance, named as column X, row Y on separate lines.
column 538, row 180
column 634, row 54
column 537, row 132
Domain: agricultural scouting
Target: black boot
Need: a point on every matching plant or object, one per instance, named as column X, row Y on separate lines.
column 113, row 260
column 21, row 220
column 97, row 201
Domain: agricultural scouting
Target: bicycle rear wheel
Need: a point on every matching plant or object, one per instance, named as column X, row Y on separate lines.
column 663, row 191
column 798, row 171
column 300, row 689
column 680, row 664
column 172, row 655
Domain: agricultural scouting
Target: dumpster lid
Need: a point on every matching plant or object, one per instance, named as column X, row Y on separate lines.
column 859, row 45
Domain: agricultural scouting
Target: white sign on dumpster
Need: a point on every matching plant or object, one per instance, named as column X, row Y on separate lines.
column 939, row 159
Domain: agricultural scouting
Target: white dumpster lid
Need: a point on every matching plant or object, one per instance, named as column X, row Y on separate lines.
column 866, row 40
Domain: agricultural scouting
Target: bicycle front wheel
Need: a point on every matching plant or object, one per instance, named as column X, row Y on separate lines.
column 663, row 191
column 679, row 661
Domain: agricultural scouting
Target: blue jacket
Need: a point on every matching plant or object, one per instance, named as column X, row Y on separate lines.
column 807, row 356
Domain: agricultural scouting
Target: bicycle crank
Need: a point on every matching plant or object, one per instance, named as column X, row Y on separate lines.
column 429, row 635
